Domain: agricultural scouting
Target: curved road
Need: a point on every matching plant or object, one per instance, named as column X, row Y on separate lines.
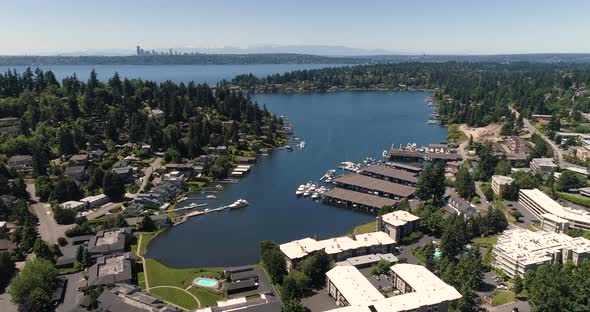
column 556, row 152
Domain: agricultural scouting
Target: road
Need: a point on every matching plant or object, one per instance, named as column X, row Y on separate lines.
column 484, row 202
column 556, row 151
column 49, row 230
column 147, row 171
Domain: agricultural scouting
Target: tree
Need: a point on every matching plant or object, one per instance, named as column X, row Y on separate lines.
column 147, row 224
column 293, row 305
column 80, row 253
column 569, row 180
column 295, row 285
column 453, row 239
column 64, row 216
column 273, row 261
column 7, row 269
column 431, row 183
column 43, row 188
column 315, row 267
column 517, row 284
column 42, row 250
column 464, row 184
column 382, row 267
column 120, row 221
column 487, row 162
column 34, row 285
column 113, row 185
column 516, row 215
column 65, row 190
column 503, row 168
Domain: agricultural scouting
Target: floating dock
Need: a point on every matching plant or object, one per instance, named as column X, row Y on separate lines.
column 185, row 217
column 365, row 184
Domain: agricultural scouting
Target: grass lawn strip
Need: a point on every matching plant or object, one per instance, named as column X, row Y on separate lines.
column 176, row 297
column 365, row 228
column 502, row 297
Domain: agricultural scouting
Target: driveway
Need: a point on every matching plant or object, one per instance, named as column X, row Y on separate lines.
column 6, row 305
column 72, row 296
column 406, row 250
column 556, row 151
column 527, row 217
column 147, row 171
column 319, row 301
column 49, row 230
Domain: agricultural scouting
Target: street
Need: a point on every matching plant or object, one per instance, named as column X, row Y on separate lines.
column 49, row 230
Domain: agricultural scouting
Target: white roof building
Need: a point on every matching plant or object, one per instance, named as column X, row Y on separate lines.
column 421, row 288
column 539, row 203
column 519, row 250
column 72, row 204
column 399, row 218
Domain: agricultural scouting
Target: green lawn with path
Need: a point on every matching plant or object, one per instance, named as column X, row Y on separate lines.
column 365, row 228
column 502, row 297
column 175, row 296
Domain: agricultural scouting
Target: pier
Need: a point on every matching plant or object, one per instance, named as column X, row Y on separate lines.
column 189, row 207
column 185, row 217
column 342, row 197
column 365, row 184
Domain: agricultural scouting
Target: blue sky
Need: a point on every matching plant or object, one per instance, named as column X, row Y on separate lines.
column 421, row 26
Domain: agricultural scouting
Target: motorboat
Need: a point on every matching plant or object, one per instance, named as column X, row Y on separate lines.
column 211, row 197
column 239, row 203
column 302, row 144
column 315, row 196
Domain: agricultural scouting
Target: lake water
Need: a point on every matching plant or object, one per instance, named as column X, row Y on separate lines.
column 210, row 74
column 345, row 126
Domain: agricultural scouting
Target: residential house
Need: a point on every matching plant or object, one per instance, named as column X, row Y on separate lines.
column 20, row 162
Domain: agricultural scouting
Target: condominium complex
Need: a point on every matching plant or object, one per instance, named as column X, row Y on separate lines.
column 543, row 165
column 499, row 183
column 420, row 290
column 538, row 203
column 519, row 250
column 397, row 224
column 338, row 248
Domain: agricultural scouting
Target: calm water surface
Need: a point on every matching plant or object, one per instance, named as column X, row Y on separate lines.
column 347, row 126
column 210, row 74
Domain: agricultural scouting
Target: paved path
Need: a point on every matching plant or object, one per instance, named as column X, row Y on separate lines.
column 147, row 171
column 6, row 305
column 180, row 289
column 49, row 230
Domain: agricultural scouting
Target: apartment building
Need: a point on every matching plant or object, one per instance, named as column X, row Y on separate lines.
column 538, row 203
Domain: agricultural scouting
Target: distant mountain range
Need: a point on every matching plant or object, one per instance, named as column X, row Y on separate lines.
column 321, row 50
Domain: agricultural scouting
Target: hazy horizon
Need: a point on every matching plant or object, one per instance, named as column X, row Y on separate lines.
column 35, row 27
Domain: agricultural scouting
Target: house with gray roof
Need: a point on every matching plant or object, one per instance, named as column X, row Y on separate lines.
column 109, row 241
column 130, row 298
column 112, row 269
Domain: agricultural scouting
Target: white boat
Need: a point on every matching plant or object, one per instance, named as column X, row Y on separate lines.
column 239, row 203
column 302, row 144
column 306, row 193
column 315, row 196
column 299, row 193
column 211, row 197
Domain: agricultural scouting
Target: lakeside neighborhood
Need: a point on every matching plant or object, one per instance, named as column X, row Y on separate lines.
column 483, row 220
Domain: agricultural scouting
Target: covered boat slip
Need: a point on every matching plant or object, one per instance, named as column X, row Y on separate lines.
column 390, row 174
column 364, row 184
column 342, row 197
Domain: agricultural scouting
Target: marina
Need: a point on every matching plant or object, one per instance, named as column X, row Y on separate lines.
column 365, row 184
column 231, row 236
column 343, row 197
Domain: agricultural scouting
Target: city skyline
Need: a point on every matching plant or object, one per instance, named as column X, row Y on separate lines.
column 430, row 27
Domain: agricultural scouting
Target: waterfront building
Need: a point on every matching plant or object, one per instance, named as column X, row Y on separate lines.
column 397, row 224
column 390, row 174
column 338, row 248
column 543, row 165
column 366, row 261
column 420, row 290
column 519, row 250
column 362, row 183
column 343, row 197
column 538, row 203
column 500, row 183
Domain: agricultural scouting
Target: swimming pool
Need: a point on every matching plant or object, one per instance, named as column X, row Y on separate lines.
column 437, row 254
column 205, row 282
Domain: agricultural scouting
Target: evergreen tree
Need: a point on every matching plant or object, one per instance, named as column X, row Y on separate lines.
column 464, row 184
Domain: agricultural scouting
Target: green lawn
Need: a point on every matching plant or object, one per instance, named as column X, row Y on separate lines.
column 500, row 204
column 502, row 297
column 146, row 240
column 176, row 296
column 486, row 242
column 365, row 228
column 207, row 298
column 574, row 199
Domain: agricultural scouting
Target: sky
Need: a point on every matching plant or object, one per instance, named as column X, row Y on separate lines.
column 420, row 26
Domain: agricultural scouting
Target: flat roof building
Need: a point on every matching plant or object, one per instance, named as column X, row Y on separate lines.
column 538, row 203
column 109, row 241
column 130, row 298
column 420, row 290
column 397, row 224
column 111, row 269
column 73, row 205
column 519, row 250
column 543, row 165
column 499, row 183
column 338, row 248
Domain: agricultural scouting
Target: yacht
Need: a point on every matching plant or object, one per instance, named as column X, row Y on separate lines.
column 239, row 203
column 315, row 196
column 302, row 144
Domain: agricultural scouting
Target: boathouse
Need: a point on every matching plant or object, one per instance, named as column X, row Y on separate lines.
column 390, row 174
column 342, row 197
column 361, row 183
